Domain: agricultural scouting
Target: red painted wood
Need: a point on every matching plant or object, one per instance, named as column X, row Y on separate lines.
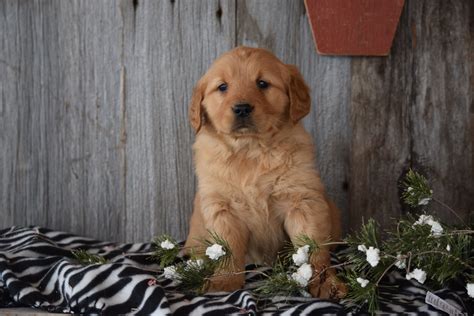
column 354, row 27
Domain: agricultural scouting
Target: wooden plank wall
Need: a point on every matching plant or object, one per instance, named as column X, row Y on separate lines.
column 94, row 137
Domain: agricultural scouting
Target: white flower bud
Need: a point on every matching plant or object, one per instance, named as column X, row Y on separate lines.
column 215, row 251
column 303, row 274
column 301, row 256
column 418, row 275
column 373, row 256
column 436, row 228
column 167, row 244
column 424, row 201
column 362, row 282
column 470, row 289
column 170, row 273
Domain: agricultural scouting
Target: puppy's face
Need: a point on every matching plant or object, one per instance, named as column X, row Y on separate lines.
column 248, row 91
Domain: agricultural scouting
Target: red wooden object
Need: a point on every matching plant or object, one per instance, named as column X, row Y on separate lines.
column 354, row 27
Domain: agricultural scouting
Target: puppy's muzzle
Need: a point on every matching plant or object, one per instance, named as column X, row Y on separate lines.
column 242, row 110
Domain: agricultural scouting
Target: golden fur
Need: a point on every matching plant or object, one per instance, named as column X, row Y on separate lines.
column 257, row 182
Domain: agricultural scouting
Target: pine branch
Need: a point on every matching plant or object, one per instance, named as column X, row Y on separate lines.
column 279, row 282
column 194, row 276
column 416, row 190
column 165, row 256
column 213, row 239
column 86, row 258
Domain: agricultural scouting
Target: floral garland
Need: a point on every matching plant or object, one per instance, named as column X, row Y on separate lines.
column 426, row 250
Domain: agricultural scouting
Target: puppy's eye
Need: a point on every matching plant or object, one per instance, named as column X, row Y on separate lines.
column 222, row 87
column 262, row 84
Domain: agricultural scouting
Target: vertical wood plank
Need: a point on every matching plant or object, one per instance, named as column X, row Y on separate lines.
column 10, row 75
column 283, row 28
column 64, row 173
column 413, row 109
column 441, row 107
column 168, row 46
column 380, row 149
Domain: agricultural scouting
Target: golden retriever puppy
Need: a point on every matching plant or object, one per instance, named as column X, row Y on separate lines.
column 255, row 163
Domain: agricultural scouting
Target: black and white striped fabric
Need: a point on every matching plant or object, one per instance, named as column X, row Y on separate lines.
column 38, row 270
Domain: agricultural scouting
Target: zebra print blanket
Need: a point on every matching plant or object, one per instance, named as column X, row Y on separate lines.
column 38, row 270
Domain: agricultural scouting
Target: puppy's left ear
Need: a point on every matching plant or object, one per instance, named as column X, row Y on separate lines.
column 195, row 116
column 298, row 91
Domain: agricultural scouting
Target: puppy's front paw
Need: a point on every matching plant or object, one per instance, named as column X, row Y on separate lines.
column 329, row 287
column 226, row 283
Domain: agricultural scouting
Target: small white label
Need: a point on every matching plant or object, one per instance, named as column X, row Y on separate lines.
column 438, row 303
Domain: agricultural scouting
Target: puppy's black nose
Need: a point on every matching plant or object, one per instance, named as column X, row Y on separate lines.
column 242, row 110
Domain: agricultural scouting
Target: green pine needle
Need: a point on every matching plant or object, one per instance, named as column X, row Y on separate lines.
column 214, row 238
column 165, row 257
column 368, row 235
column 359, row 295
column 279, row 283
column 416, row 190
column 194, row 277
column 429, row 252
column 86, row 258
column 290, row 248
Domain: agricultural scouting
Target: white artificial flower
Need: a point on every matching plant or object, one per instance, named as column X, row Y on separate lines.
column 436, row 228
column 303, row 274
column 362, row 248
column 167, row 244
column 170, row 273
column 409, row 189
column 424, row 220
column 448, row 248
column 424, row 201
column 373, row 256
column 301, row 256
column 362, row 282
column 470, row 289
column 418, row 275
column 401, row 262
column 215, row 251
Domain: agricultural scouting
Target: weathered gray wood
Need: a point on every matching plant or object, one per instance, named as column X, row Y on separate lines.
column 441, row 103
column 412, row 109
column 10, row 76
column 94, row 137
column 282, row 27
column 61, row 116
column 168, row 47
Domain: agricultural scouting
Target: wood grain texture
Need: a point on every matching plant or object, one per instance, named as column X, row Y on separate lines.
column 289, row 37
column 60, row 168
column 441, row 104
column 412, row 109
column 168, row 47
column 93, row 108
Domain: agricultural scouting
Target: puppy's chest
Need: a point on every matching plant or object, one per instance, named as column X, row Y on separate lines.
column 252, row 180
column 259, row 172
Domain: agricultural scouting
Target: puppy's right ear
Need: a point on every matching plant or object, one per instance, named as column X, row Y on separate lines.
column 195, row 115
